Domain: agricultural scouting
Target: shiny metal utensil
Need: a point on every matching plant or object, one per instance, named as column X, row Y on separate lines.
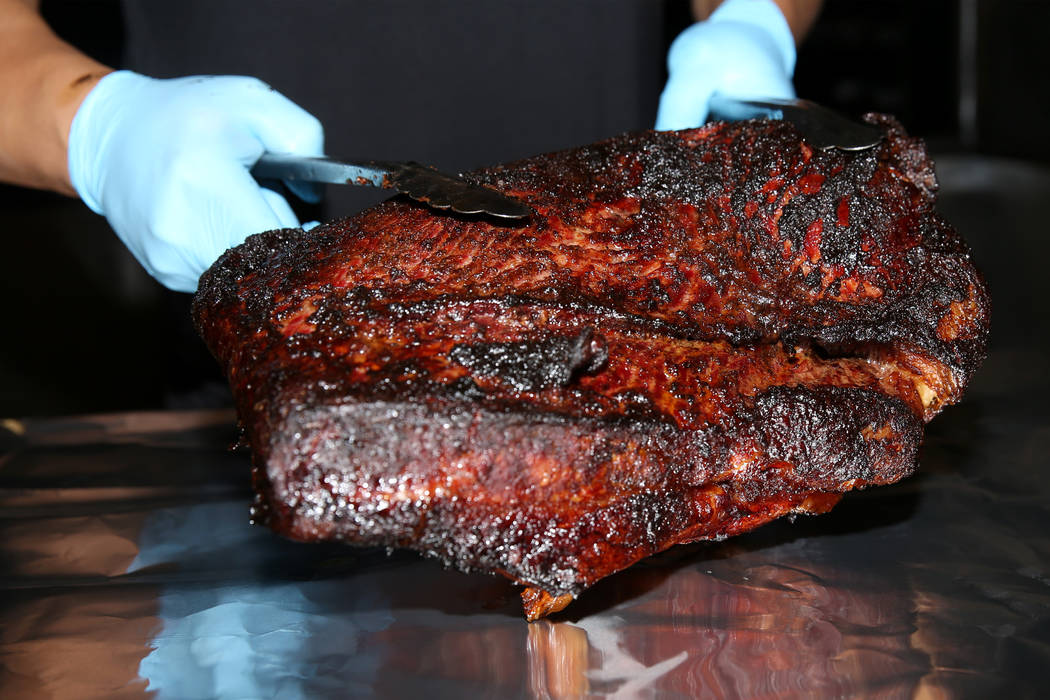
column 820, row 127
column 425, row 184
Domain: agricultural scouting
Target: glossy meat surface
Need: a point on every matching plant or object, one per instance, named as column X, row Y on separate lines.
column 697, row 332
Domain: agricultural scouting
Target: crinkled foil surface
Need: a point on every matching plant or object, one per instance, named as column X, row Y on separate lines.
column 129, row 568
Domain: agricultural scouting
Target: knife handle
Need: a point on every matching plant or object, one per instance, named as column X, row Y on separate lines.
column 284, row 167
column 424, row 184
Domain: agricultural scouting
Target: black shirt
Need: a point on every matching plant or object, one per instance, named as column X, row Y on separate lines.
column 456, row 85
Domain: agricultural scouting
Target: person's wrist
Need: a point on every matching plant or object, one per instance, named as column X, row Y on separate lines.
column 73, row 96
column 72, row 77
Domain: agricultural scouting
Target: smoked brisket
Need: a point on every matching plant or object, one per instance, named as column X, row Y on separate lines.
column 695, row 333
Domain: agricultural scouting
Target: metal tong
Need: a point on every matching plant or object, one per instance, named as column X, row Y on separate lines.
column 420, row 182
column 820, row 127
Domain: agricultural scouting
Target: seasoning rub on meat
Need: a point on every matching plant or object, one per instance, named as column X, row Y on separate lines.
column 696, row 332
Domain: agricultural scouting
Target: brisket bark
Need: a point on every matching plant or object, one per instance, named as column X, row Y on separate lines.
column 697, row 332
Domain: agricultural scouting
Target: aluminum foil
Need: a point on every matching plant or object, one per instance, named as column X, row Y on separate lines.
column 129, row 567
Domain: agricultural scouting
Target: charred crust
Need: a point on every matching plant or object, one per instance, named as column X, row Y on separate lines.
column 696, row 332
column 534, row 365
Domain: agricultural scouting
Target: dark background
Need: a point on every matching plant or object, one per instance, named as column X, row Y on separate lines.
column 87, row 330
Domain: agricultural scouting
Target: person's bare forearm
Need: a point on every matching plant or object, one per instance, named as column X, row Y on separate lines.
column 43, row 80
column 800, row 14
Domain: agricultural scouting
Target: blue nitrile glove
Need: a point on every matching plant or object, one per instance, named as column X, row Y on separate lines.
column 745, row 48
column 166, row 162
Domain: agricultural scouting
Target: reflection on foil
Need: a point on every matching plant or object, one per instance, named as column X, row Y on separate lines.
column 206, row 537
column 561, row 656
column 620, row 674
column 728, row 621
column 255, row 640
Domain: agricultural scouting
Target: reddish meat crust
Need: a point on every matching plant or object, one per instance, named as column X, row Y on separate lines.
column 697, row 332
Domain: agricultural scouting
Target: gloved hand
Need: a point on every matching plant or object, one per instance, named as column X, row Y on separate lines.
column 745, row 48
column 166, row 162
